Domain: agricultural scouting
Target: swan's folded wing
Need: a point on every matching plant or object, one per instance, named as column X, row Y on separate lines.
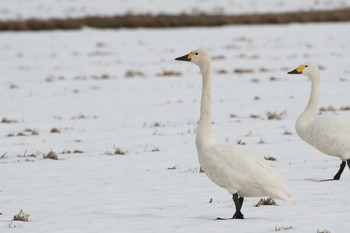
column 239, row 170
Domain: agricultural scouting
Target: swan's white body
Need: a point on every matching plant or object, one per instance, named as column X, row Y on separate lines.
column 239, row 171
column 231, row 167
column 328, row 134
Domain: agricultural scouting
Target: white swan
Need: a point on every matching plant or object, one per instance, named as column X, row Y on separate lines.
column 328, row 134
column 233, row 168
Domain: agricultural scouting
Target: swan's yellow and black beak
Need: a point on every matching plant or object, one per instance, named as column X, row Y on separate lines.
column 298, row 70
column 187, row 57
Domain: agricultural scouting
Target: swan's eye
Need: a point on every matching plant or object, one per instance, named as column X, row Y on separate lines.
column 306, row 66
column 196, row 53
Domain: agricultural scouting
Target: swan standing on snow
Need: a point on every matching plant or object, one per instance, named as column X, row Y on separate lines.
column 329, row 134
column 233, row 168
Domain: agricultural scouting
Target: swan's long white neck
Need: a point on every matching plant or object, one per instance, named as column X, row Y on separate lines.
column 205, row 136
column 312, row 106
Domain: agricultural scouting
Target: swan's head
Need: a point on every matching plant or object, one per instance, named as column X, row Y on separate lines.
column 308, row 69
column 198, row 57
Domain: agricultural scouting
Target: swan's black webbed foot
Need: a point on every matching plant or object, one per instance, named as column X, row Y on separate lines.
column 327, row 180
column 238, row 203
column 223, row 218
column 238, row 215
column 341, row 169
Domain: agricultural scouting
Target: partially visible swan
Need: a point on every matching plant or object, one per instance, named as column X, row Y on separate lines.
column 328, row 134
column 231, row 167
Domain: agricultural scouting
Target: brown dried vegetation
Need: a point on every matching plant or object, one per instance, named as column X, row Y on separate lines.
column 169, row 73
column 133, row 73
column 8, row 121
column 333, row 109
column 26, row 132
column 72, row 152
column 51, row 155
column 276, row 116
column 55, row 130
column 181, row 20
column 242, row 70
column 269, row 157
column 267, row 201
column 222, row 71
column 283, row 228
column 21, row 216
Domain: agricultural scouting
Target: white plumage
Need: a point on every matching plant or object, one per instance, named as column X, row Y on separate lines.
column 240, row 171
column 328, row 134
column 233, row 168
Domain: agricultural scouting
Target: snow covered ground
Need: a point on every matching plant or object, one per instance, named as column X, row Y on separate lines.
column 102, row 90
column 14, row 9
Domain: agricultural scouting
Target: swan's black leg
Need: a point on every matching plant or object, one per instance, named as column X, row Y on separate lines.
column 341, row 169
column 348, row 163
column 238, row 204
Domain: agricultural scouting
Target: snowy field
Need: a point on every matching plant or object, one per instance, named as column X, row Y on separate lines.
column 21, row 9
column 106, row 89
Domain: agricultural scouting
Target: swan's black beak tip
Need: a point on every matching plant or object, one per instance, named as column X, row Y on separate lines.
column 183, row 58
column 298, row 70
column 293, row 72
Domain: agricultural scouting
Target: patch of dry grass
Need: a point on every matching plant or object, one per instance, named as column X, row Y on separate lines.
column 334, row 109
column 344, row 108
column 323, row 231
column 52, row 78
column 21, row 216
column 55, row 130
column 169, row 73
column 8, row 120
column 254, row 116
column 283, row 228
column 269, row 157
column 275, row 115
column 13, row 86
column 172, row 168
column 328, row 109
column 222, row 71
column 119, row 151
column 133, row 74
column 51, row 155
column 28, row 155
column 31, row 131
column 272, row 79
column 83, row 116
column 195, row 170
column 102, row 77
column 232, row 115
column 181, row 20
column 261, row 141
column 286, row 132
column 3, row 156
column 157, row 124
column 267, row 201
column 242, row 70
column 241, row 142
column 72, row 152
column 26, row 132
column 116, row 151
column 263, row 69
